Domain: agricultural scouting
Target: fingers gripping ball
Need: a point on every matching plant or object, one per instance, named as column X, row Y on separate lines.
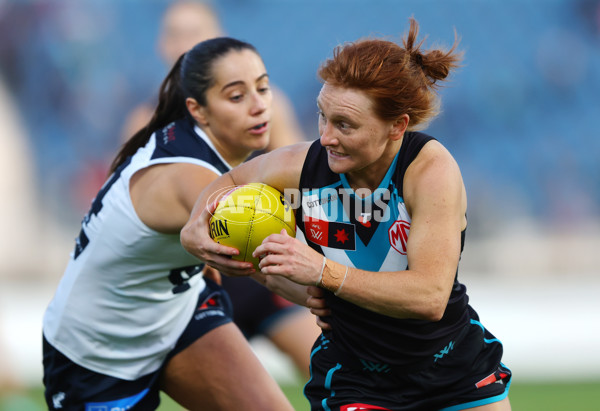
column 247, row 215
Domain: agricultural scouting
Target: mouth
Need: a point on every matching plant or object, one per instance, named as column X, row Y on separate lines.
column 259, row 128
column 337, row 154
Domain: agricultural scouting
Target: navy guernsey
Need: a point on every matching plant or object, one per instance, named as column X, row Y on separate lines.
column 180, row 139
column 370, row 233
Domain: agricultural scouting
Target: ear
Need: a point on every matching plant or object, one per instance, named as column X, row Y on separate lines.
column 197, row 111
column 399, row 126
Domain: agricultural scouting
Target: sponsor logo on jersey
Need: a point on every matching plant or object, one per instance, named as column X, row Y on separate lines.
column 398, row 234
column 168, row 133
column 330, row 233
column 322, row 201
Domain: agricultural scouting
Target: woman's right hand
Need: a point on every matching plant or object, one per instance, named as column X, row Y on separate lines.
column 195, row 238
column 317, row 305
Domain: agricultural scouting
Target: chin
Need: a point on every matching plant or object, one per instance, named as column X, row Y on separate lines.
column 261, row 143
column 336, row 167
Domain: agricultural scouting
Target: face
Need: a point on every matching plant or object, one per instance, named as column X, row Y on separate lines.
column 237, row 114
column 185, row 25
column 358, row 143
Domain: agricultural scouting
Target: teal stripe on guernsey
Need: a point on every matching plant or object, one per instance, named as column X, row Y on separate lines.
column 386, row 179
column 324, row 342
column 369, row 256
column 328, row 385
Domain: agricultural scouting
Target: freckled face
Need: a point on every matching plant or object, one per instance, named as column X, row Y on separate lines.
column 355, row 138
column 238, row 105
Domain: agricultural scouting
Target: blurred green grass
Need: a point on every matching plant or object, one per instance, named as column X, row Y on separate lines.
column 524, row 396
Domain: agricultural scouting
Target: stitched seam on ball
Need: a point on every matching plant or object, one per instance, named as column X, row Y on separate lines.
column 262, row 190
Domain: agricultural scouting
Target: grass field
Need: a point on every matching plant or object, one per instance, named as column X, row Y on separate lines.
column 524, row 396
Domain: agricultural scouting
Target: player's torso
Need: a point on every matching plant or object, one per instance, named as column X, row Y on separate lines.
column 123, row 275
column 368, row 231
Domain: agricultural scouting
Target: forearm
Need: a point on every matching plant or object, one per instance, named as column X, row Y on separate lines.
column 399, row 294
column 213, row 192
column 195, row 236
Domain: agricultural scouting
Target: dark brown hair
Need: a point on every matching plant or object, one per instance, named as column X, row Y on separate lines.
column 399, row 80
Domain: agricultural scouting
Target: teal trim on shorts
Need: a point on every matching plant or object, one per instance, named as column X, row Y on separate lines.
column 484, row 401
column 478, row 403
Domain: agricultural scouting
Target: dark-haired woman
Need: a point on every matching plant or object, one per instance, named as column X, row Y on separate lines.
column 382, row 212
column 133, row 313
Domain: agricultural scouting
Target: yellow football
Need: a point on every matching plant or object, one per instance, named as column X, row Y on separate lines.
column 247, row 215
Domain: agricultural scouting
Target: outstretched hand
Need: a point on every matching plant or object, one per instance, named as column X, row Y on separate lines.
column 195, row 238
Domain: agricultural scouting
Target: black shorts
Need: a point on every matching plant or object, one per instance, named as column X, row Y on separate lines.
column 467, row 372
column 69, row 386
column 256, row 310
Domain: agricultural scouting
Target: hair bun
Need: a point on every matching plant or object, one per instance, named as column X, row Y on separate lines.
column 419, row 60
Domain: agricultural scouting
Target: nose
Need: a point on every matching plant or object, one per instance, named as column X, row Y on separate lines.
column 327, row 137
column 259, row 103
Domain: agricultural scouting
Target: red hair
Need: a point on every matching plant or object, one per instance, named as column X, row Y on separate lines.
column 399, row 80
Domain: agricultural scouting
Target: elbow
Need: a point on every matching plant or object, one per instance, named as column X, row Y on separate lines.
column 434, row 315
column 433, row 310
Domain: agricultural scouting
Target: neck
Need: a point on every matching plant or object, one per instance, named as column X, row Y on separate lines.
column 370, row 177
column 231, row 156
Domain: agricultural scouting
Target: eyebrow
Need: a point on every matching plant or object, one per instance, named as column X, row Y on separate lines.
column 337, row 116
column 235, row 83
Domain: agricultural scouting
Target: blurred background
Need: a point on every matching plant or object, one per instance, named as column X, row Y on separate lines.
column 520, row 117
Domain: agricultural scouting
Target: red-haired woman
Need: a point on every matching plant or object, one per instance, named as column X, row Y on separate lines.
column 382, row 213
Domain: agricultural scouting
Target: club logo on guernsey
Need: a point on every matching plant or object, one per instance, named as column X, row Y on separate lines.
column 330, row 233
column 398, row 234
column 365, row 219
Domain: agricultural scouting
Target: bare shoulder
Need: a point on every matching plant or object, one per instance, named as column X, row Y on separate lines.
column 435, row 171
column 163, row 195
column 433, row 161
column 434, row 153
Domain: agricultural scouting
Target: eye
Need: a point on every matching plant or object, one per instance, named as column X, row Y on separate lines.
column 264, row 89
column 343, row 126
column 236, row 98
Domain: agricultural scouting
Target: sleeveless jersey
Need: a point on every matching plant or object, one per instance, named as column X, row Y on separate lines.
column 371, row 233
column 128, row 291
